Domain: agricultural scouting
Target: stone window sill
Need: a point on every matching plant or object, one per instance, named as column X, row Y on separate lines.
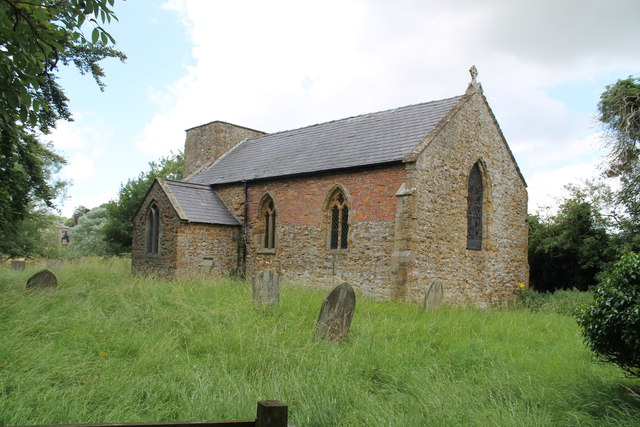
column 338, row 251
column 265, row 251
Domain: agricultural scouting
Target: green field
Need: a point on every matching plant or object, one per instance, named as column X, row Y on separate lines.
column 106, row 347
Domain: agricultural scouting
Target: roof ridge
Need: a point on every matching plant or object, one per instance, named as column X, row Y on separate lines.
column 353, row 117
column 187, row 183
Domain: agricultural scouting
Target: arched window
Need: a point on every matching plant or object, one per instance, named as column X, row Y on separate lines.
column 152, row 229
column 339, row 225
column 474, row 209
column 268, row 216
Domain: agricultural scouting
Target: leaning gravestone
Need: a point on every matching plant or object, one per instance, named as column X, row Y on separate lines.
column 433, row 297
column 43, row 279
column 266, row 288
column 18, row 265
column 336, row 313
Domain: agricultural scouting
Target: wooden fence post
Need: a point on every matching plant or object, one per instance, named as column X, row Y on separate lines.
column 272, row 413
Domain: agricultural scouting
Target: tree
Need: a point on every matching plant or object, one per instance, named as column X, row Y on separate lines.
column 87, row 238
column 77, row 214
column 611, row 324
column 26, row 172
column 119, row 228
column 37, row 235
column 35, row 37
column 569, row 249
column 619, row 111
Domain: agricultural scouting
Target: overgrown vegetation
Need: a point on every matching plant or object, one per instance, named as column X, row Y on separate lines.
column 611, row 325
column 107, row 347
column 567, row 250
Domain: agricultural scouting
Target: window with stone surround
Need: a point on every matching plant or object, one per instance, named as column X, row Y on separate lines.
column 474, row 209
column 152, row 230
column 267, row 217
column 338, row 213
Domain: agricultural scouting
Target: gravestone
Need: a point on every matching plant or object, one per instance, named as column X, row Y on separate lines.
column 336, row 313
column 18, row 265
column 433, row 297
column 266, row 288
column 43, row 279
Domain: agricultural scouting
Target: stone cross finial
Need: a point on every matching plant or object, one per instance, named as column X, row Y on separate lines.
column 474, row 74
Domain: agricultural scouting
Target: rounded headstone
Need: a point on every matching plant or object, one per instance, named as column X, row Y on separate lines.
column 43, row 279
column 336, row 313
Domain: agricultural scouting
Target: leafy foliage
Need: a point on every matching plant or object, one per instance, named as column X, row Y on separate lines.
column 35, row 37
column 35, row 236
column 38, row 34
column 569, row 249
column 26, row 172
column 611, row 325
column 87, row 237
column 119, row 228
column 619, row 110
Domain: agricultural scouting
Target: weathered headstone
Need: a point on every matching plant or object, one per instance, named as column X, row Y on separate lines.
column 17, row 264
column 43, row 279
column 266, row 288
column 336, row 313
column 433, row 297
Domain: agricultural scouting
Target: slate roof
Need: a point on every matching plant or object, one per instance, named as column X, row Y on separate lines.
column 370, row 139
column 200, row 203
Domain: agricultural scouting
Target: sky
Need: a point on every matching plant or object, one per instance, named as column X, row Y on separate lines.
column 278, row 65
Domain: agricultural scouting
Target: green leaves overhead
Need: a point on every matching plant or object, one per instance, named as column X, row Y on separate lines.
column 35, row 36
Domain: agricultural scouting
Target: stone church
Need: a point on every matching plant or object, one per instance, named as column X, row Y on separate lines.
column 388, row 201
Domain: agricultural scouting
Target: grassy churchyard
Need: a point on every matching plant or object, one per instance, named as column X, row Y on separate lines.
column 106, row 347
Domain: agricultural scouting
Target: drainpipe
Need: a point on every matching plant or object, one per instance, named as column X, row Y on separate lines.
column 246, row 227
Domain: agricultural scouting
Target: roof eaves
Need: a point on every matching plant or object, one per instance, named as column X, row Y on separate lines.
column 172, row 199
column 309, row 173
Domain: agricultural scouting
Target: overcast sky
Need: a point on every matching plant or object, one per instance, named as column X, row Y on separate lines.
column 277, row 65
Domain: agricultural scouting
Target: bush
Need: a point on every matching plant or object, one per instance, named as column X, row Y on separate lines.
column 611, row 325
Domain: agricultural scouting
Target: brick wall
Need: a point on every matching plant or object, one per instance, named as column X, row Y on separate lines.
column 302, row 253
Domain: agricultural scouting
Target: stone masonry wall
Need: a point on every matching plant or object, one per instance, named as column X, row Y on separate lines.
column 164, row 262
column 487, row 277
column 302, row 253
column 205, row 144
column 206, row 248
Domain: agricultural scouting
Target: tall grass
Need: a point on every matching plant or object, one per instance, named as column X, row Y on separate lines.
column 106, row 347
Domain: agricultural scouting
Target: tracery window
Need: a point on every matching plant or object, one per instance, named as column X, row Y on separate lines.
column 339, row 226
column 474, row 209
column 268, row 217
column 152, row 229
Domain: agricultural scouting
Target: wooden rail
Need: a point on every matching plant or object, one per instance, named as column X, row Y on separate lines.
column 270, row 413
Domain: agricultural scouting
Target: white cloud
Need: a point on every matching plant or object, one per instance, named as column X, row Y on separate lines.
column 284, row 64
column 90, row 200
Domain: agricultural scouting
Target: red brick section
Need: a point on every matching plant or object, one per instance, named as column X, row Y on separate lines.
column 300, row 201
